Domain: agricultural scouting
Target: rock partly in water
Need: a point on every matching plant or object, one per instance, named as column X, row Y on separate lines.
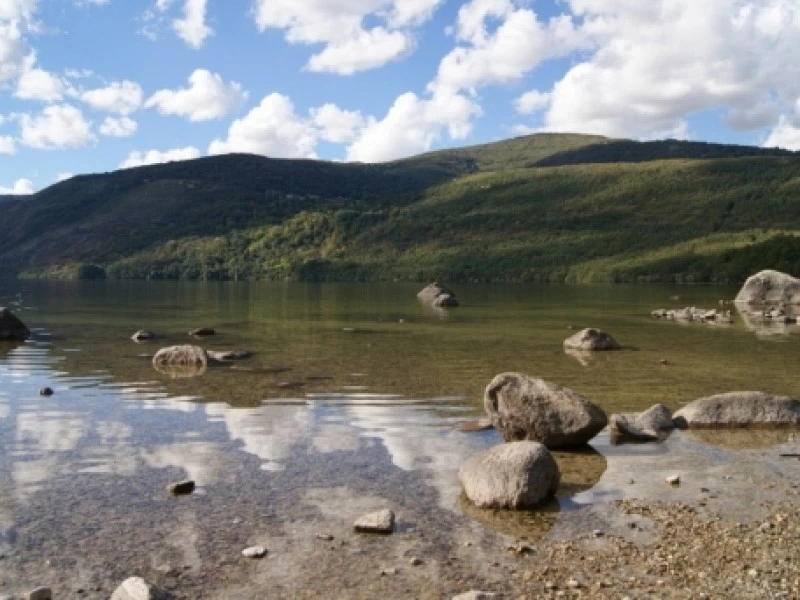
column 769, row 288
column 46, row 391
column 181, row 488
column 526, row 408
column 41, row 593
column 202, row 331
column 652, row 425
column 136, row 588
column 692, row 314
column 227, row 355
column 591, row 339
column 181, row 361
column 437, row 295
column 739, row 409
column 142, row 335
column 11, row 328
column 377, row 522
column 517, row 475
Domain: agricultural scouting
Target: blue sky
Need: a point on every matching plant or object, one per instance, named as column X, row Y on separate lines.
column 96, row 85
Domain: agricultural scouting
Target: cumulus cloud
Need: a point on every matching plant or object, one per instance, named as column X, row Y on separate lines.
column 655, row 63
column 207, row 97
column 7, row 145
column 336, row 125
column 151, row 157
column 12, row 54
column 192, row 28
column 120, row 97
column 58, row 126
column 272, row 129
column 118, row 127
column 786, row 134
column 64, row 176
column 20, row 187
column 38, row 84
column 531, row 102
column 349, row 46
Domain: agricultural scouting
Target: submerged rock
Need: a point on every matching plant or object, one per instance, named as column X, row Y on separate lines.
column 525, row 408
column 591, row 339
column 181, row 361
column 739, row 409
column 516, row 475
column 769, row 287
column 227, row 355
column 136, row 588
column 202, row 331
column 377, row 522
column 437, row 295
column 651, row 425
column 142, row 335
column 11, row 328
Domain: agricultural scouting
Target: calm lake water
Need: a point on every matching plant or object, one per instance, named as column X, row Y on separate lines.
column 348, row 404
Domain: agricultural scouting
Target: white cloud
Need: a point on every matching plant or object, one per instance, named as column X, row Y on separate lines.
column 58, row 126
column 531, row 102
column 17, row 10
column 121, row 97
column 11, row 49
column 64, row 176
column 38, row 84
column 272, row 129
column 20, row 187
column 192, row 28
column 786, row 134
column 339, row 25
column 118, row 127
column 207, row 97
column 336, row 125
column 151, row 157
column 657, row 62
column 413, row 125
column 7, row 145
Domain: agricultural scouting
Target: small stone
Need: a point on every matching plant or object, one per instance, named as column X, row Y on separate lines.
column 391, row 571
column 573, row 583
column 764, row 527
column 254, row 552
column 752, row 573
column 325, row 537
column 181, row 488
column 550, row 586
column 41, row 593
column 136, row 588
column 201, row 331
column 664, row 361
column 46, row 391
column 142, row 335
column 674, row 480
column 415, row 562
column 597, row 533
column 377, row 522
column 476, row 595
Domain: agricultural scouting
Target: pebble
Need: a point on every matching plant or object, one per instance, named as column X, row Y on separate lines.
column 377, row 522
column 41, row 593
column 674, row 480
column 391, row 571
column 46, row 391
column 573, row 583
column 476, row 595
column 414, row 561
column 181, row 488
column 325, row 536
column 254, row 552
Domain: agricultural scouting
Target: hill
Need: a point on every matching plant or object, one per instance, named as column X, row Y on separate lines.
column 546, row 207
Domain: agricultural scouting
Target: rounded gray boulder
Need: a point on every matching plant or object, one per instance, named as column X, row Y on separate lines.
column 739, row 409
column 526, row 408
column 591, row 339
column 769, row 287
column 181, row 361
column 516, row 475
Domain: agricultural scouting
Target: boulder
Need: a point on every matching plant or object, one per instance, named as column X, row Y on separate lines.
column 437, row 295
column 739, row 409
column 648, row 426
column 181, row 361
column 516, row 475
column 525, row 408
column 136, row 588
column 769, row 287
column 591, row 339
column 11, row 328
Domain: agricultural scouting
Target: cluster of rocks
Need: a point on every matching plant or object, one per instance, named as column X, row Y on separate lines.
column 694, row 314
column 438, row 296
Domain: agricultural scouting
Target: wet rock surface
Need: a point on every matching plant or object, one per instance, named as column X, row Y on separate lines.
column 526, row 408
column 651, row 425
column 181, row 361
column 438, row 296
column 515, row 475
column 739, row 409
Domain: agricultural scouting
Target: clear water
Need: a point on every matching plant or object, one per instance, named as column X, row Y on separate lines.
column 349, row 403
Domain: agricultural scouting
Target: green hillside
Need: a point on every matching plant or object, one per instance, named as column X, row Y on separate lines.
column 615, row 211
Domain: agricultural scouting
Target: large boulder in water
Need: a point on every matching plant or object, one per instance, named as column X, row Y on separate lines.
column 651, row 425
column 769, row 287
column 591, row 339
column 11, row 328
column 525, row 408
column 181, row 361
column 437, row 295
column 739, row 409
column 515, row 475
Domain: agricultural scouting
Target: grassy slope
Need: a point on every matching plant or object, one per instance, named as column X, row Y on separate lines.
column 476, row 213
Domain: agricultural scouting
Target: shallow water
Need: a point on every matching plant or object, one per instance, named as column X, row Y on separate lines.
column 348, row 404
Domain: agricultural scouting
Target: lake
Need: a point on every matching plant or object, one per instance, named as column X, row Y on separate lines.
column 349, row 403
